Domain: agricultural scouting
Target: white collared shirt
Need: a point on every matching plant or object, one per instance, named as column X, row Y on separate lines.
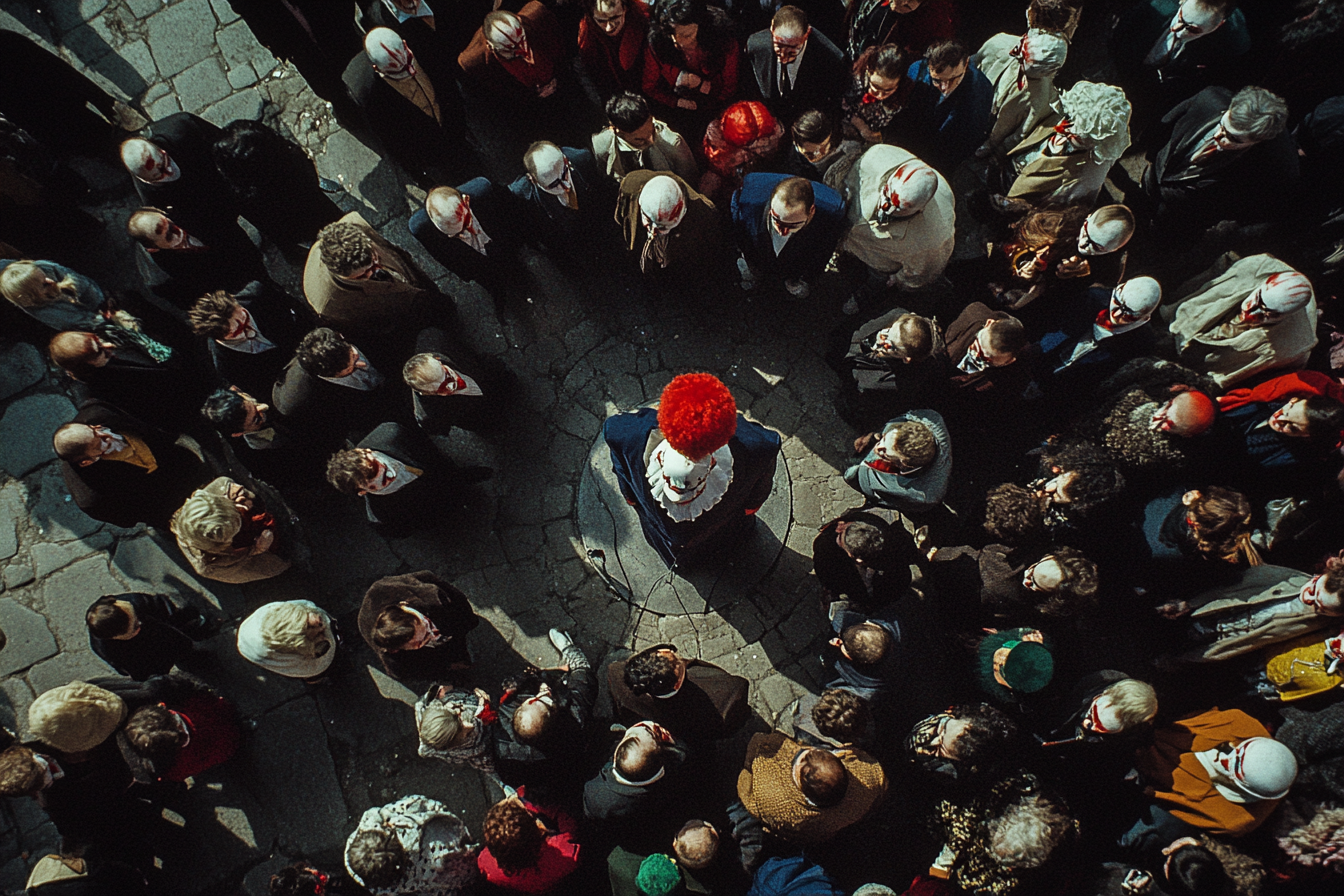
column 790, row 71
column 420, row 11
column 397, row 473
column 365, row 379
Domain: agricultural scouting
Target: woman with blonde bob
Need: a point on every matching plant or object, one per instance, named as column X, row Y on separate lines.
column 228, row 535
column 293, row 638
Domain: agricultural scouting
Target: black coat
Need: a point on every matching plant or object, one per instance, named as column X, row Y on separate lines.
column 417, row 503
column 557, row 227
column 430, row 152
column 275, row 317
column 558, row 756
column 822, row 77
column 123, row 494
column 444, row 605
column 499, row 214
column 325, row 412
column 837, row 572
column 161, row 643
column 200, row 201
column 438, row 414
column 167, row 394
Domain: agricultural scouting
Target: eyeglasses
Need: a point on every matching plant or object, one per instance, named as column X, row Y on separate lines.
column 940, row 83
column 785, row 227
column 559, row 181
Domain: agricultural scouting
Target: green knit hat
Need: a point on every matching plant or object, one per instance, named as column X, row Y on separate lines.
column 1028, row 669
column 658, row 876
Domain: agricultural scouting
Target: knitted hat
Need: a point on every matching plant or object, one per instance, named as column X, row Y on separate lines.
column 1099, row 113
column 697, row 414
column 1041, row 52
column 658, row 875
column 874, row 890
column 1028, row 669
column 1268, row 768
column 76, row 716
column 207, row 522
column 746, row 122
column 439, row 725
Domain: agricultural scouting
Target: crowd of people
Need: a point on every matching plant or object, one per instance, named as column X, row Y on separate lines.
column 1139, row 370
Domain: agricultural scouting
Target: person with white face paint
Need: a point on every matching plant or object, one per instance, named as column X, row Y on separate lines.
column 1167, row 50
column 1099, row 254
column 1090, row 340
column 472, row 230
column 412, row 105
column 172, row 168
column 673, row 228
column 1218, row 772
column 902, row 221
column 1021, row 69
column 1265, row 605
column 1066, row 157
column 694, row 470
column 563, row 202
column 1229, row 157
column 514, row 56
column 1259, row 315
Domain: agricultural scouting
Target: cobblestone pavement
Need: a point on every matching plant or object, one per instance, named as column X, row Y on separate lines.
column 583, row 350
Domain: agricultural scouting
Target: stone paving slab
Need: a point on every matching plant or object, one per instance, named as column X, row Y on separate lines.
column 29, row 639
column 21, row 366
column 25, row 431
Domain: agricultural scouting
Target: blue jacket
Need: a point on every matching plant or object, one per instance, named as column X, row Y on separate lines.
column 793, row 876
column 962, row 119
column 808, row 250
column 1084, row 375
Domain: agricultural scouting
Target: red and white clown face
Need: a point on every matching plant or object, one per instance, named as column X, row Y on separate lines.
column 1195, row 20
column 549, row 169
column 506, row 37
column 148, row 162
column 905, row 191
column 1257, row 768
column 390, row 55
column 1133, row 301
column 1065, row 140
column 661, row 205
column 1280, row 294
column 451, row 214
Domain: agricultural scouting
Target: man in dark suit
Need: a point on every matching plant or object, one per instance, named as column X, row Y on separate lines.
column 786, row 228
column 143, row 635
column 331, row 388
column 451, row 386
column 639, row 782
column 262, row 440
column 542, row 719
column 795, row 67
column 400, row 475
column 180, row 266
column 983, row 349
column 417, row 624
column 411, row 106
column 173, row 169
column 1227, row 156
column 565, row 204
column 472, row 230
column 962, row 116
column 249, row 334
column 122, row 471
column 696, row 700
column 862, row 557
column 1165, row 51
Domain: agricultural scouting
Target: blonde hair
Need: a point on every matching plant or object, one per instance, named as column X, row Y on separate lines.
column 207, row 522
column 440, row 726
column 422, row 373
column 1134, row 702
column 20, row 283
column 1025, row 834
column 284, row 629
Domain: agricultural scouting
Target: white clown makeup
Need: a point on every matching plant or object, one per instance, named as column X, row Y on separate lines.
column 149, row 163
column 389, row 54
column 508, row 39
column 905, row 192
column 1038, row 53
column 1280, row 294
column 661, row 205
column 1194, row 20
column 1101, row 717
column 684, row 487
column 550, row 170
column 1133, row 301
column 1098, row 237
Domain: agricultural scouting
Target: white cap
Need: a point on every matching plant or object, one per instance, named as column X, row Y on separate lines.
column 662, row 202
column 388, row 53
column 1286, row 291
column 1267, row 768
column 445, row 210
column 910, row 186
column 1140, row 295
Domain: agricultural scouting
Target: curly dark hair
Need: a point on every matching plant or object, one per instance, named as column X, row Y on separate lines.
column 1195, row 871
column 512, row 836
column 1098, row 479
column 650, row 672
column 345, row 248
column 1013, row 514
column 986, row 740
column 323, row 352
column 841, row 714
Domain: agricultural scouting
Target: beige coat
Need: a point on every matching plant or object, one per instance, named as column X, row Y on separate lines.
column 1257, row 586
column 366, row 306
column 241, row 565
column 669, row 152
column 1015, row 113
column 1076, row 177
column 915, row 249
column 1232, row 357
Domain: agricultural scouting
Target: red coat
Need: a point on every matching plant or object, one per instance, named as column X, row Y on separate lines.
column 617, row 63
column 660, row 78
column 558, row 859
column 1303, row 384
column 543, row 39
column 214, row 735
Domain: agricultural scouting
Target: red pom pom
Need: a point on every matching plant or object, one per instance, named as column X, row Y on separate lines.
column 745, row 122
column 697, row 414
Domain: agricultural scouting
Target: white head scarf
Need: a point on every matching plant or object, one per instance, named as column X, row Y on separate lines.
column 1038, row 54
column 1098, row 114
column 390, row 55
column 662, row 204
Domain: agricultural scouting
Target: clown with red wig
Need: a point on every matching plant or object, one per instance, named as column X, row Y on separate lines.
column 694, row 469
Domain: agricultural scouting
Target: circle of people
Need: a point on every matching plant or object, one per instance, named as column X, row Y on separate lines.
column 1189, row 433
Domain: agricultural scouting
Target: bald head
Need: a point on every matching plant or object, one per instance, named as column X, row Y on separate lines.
column 696, row 844
column 1191, row 414
column 531, row 720
column 148, row 162
column 75, row 442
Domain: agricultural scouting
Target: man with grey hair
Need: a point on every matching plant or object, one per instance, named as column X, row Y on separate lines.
column 1226, row 156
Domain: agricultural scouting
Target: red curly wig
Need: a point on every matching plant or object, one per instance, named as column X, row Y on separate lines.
column 697, row 414
column 746, row 122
